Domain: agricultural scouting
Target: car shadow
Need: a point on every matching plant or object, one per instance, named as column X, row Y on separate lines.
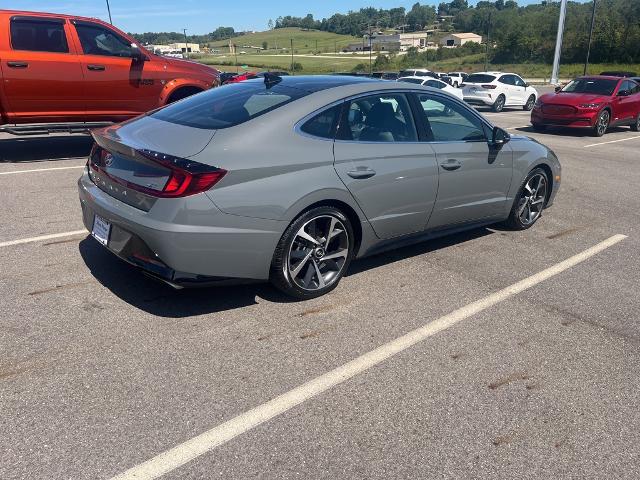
column 568, row 132
column 149, row 295
column 38, row 149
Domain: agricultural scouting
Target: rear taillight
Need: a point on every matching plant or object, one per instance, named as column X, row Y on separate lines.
column 488, row 86
column 184, row 177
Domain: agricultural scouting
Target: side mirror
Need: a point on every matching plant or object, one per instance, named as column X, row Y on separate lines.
column 624, row 93
column 558, row 88
column 136, row 54
column 499, row 137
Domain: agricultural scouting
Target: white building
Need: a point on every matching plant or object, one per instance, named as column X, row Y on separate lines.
column 458, row 39
column 397, row 42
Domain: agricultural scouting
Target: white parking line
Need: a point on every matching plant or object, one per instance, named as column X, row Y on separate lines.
column 207, row 441
column 613, row 141
column 42, row 238
column 40, row 170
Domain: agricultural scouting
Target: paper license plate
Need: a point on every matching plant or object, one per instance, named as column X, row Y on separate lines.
column 101, row 230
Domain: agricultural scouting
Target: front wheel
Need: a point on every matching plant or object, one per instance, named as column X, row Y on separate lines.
column 530, row 103
column 313, row 254
column 498, row 106
column 636, row 125
column 538, row 127
column 602, row 123
column 530, row 201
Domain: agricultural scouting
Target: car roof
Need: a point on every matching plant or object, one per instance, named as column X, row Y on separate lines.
column 601, row 77
column 20, row 13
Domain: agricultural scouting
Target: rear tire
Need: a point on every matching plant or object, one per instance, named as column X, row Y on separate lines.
column 530, row 201
column 602, row 124
column 498, row 106
column 531, row 101
column 313, row 253
column 636, row 126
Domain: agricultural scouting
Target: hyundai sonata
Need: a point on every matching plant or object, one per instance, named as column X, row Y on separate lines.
column 289, row 179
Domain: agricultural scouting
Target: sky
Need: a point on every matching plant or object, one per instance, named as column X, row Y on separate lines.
column 204, row 16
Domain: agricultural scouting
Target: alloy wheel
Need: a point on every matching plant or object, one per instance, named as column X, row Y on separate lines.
column 532, row 200
column 603, row 123
column 499, row 105
column 318, row 253
column 530, row 102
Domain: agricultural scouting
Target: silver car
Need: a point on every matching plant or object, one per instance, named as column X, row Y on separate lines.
column 289, row 179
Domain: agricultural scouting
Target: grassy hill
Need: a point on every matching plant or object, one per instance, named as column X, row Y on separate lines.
column 304, row 41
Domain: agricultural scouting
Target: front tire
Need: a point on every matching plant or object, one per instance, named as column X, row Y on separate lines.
column 636, row 126
column 498, row 106
column 602, row 123
column 313, row 254
column 538, row 127
column 531, row 101
column 530, row 201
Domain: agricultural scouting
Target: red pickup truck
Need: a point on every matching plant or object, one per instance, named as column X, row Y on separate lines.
column 67, row 73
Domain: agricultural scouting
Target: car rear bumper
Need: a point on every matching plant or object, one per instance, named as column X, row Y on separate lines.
column 580, row 120
column 482, row 101
column 198, row 244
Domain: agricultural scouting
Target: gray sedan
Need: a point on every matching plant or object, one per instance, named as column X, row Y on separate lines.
column 289, row 179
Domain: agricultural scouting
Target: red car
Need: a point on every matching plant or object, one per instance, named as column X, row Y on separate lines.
column 594, row 102
column 68, row 73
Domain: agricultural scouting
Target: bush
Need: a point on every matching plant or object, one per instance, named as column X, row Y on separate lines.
column 297, row 67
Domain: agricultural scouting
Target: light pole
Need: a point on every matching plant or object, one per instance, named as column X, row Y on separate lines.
column 593, row 20
column 109, row 10
column 370, row 48
column 556, row 56
column 486, row 52
column 292, row 72
column 186, row 42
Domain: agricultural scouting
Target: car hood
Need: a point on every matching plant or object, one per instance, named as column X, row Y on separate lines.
column 572, row 98
column 159, row 136
column 190, row 65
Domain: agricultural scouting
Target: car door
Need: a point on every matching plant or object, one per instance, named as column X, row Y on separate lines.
column 474, row 177
column 42, row 78
column 392, row 176
column 519, row 90
column 115, row 81
column 625, row 103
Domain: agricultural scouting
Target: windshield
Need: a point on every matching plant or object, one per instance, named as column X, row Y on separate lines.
column 596, row 86
column 228, row 106
column 480, row 78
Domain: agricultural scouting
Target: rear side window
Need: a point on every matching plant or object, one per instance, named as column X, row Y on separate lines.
column 480, row 78
column 38, row 35
column 227, row 106
column 323, row 125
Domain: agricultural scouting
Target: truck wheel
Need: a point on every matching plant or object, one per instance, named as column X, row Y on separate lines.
column 182, row 93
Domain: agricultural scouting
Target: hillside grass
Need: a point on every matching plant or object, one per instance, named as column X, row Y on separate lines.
column 319, row 64
column 304, row 41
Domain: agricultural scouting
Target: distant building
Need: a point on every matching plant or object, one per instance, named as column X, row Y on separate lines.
column 395, row 42
column 174, row 48
column 459, row 39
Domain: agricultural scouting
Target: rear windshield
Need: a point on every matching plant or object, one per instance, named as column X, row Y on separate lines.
column 479, row 78
column 227, row 106
column 411, row 80
column 591, row 85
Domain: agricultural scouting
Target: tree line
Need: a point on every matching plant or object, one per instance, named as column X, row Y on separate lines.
column 515, row 34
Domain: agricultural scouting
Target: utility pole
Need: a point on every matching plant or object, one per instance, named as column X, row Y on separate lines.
column 316, row 46
column 186, row 43
column 109, row 10
column 235, row 53
column 593, row 20
column 335, row 46
column 486, row 52
column 556, row 57
column 370, row 48
column 292, row 72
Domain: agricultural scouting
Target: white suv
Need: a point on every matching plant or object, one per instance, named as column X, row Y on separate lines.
column 457, row 78
column 498, row 90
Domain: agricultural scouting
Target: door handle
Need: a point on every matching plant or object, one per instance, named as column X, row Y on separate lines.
column 96, row 68
column 362, row 173
column 451, row 165
column 17, row 64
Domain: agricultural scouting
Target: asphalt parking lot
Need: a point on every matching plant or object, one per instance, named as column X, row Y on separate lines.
column 105, row 372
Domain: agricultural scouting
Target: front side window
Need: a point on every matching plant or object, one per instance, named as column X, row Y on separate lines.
column 518, row 82
column 323, row 124
column 378, row 118
column 38, row 35
column 97, row 40
column 228, row 106
column 446, row 121
column 507, row 80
